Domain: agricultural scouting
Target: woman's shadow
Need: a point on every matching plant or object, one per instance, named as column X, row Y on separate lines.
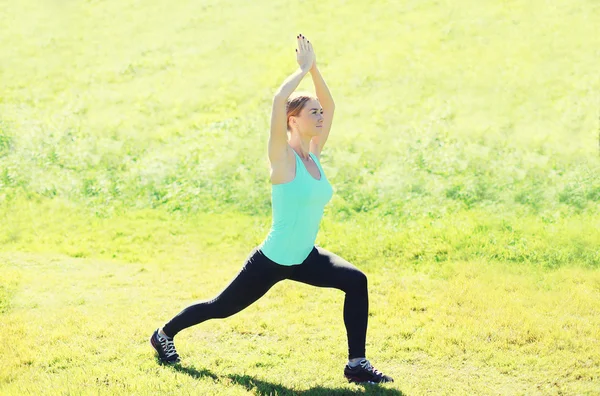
column 264, row 388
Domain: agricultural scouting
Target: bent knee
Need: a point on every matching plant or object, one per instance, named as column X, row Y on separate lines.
column 358, row 282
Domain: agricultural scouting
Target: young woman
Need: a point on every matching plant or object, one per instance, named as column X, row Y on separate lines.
column 300, row 191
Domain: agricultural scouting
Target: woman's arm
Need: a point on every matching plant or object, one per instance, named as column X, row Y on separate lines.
column 278, row 144
column 326, row 100
column 290, row 84
column 278, row 141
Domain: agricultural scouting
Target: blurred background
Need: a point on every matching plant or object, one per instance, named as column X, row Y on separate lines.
column 442, row 106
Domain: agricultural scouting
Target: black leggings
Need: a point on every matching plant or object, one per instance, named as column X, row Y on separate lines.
column 321, row 268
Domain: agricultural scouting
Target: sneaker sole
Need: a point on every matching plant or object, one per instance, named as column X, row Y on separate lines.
column 362, row 382
column 355, row 380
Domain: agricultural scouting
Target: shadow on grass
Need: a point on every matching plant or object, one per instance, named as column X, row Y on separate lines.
column 265, row 388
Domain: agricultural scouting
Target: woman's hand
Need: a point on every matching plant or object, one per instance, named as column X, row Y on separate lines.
column 305, row 54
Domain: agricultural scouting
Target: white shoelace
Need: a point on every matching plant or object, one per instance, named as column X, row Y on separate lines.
column 168, row 346
column 367, row 366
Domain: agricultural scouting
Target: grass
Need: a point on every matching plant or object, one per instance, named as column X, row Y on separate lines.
column 464, row 306
column 440, row 107
column 464, row 159
column 447, row 327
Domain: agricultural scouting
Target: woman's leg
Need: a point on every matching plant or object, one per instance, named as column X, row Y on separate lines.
column 325, row 269
column 257, row 276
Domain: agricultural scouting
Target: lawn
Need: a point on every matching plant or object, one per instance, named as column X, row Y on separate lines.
column 464, row 158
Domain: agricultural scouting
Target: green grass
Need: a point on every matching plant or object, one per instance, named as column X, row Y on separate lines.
column 464, row 159
column 468, row 305
column 439, row 106
column 451, row 326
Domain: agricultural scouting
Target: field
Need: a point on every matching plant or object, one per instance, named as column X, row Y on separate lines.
column 464, row 156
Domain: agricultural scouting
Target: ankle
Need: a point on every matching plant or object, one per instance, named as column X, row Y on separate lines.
column 355, row 361
column 163, row 334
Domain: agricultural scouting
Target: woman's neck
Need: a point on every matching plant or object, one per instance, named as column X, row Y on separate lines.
column 301, row 144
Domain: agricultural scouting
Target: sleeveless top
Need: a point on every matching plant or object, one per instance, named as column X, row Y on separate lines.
column 297, row 211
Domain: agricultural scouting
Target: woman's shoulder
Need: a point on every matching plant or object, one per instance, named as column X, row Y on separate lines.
column 315, row 155
column 315, row 149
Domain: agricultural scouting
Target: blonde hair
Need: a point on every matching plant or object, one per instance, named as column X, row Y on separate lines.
column 295, row 104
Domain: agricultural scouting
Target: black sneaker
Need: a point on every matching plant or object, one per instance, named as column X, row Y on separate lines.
column 364, row 372
column 165, row 348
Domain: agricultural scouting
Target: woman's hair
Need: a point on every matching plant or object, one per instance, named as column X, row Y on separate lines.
column 295, row 104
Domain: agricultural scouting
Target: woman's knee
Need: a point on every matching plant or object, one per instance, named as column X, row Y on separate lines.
column 214, row 309
column 358, row 282
column 221, row 309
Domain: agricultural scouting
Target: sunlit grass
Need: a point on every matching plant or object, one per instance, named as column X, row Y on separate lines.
column 134, row 180
column 446, row 327
column 439, row 106
column 470, row 305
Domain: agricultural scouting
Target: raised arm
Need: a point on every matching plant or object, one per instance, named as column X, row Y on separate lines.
column 326, row 101
column 278, row 144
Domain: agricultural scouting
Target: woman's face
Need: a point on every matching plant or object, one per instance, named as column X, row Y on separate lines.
column 310, row 120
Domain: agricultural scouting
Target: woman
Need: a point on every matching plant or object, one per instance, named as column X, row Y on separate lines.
column 300, row 191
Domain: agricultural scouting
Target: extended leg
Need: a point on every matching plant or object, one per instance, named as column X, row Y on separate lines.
column 256, row 277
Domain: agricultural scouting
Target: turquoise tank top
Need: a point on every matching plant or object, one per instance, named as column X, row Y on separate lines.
column 297, row 211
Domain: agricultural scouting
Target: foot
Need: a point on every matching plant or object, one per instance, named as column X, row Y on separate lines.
column 165, row 348
column 364, row 372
